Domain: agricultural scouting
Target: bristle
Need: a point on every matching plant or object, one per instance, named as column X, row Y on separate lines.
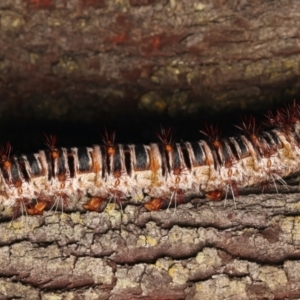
column 167, row 171
column 212, row 132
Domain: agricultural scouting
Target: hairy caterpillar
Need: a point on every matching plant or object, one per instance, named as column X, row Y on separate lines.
column 165, row 171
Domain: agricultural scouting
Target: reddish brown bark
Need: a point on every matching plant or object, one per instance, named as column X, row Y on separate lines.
column 81, row 60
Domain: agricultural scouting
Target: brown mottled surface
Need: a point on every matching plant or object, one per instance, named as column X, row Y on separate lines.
column 75, row 65
column 203, row 251
column 85, row 60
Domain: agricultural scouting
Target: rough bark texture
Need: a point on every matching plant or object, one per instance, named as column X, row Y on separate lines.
column 203, row 251
column 85, row 60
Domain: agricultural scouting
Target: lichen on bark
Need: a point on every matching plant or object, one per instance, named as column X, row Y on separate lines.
column 201, row 250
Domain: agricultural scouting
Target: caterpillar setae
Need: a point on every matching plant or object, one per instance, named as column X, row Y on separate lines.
column 166, row 171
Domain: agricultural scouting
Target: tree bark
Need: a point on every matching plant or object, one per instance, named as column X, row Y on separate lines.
column 81, row 61
column 85, row 60
column 247, row 249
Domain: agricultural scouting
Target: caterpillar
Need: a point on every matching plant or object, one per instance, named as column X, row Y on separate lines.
column 166, row 171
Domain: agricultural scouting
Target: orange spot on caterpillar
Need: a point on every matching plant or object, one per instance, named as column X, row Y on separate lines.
column 93, row 204
column 50, row 142
column 108, row 140
column 249, row 127
column 5, row 156
column 37, row 209
column 111, row 150
column 213, row 133
column 155, row 204
column 165, row 137
column 214, row 195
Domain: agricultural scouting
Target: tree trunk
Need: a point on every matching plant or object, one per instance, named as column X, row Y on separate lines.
column 81, row 61
column 249, row 249
column 85, row 60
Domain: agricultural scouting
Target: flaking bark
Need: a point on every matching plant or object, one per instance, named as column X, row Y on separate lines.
column 204, row 250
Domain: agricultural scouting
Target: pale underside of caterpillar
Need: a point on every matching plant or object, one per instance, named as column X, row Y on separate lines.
column 167, row 172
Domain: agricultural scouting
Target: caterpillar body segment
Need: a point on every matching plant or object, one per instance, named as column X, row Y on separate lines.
column 165, row 171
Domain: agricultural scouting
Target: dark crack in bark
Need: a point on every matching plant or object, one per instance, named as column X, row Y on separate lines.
column 202, row 251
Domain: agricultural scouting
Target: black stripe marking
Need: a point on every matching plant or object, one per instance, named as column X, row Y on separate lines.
column 233, row 149
column 71, row 162
column 34, row 165
column 15, row 174
column 23, row 169
column 199, row 153
column 226, row 151
column 243, row 147
column 127, row 156
column 83, row 159
column 117, row 164
column 61, row 162
column 108, row 162
column 266, row 138
column 141, row 157
column 24, row 172
column 50, row 164
column 176, row 158
column 186, row 155
column 103, row 162
column 274, row 137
